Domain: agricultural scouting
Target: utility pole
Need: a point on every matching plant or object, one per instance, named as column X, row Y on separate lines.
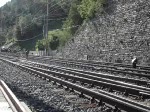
column 1, row 18
column 44, row 33
column 47, row 51
column 44, row 27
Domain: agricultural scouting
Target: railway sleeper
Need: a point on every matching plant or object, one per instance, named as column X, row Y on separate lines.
column 113, row 86
column 97, row 95
column 87, row 91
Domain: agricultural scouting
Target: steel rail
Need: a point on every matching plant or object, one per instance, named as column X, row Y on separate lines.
column 120, row 86
column 103, row 75
column 124, row 65
column 99, row 64
column 128, row 66
column 114, row 77
column 110, row 63
column 112, row 99
column 115, row 67
column 18, row 106
column 96, row 64
column 103, row 69
column 128, row 87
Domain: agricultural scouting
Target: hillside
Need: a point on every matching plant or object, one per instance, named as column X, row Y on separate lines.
column 24, row 19
column 112, row 31
column 116, row 34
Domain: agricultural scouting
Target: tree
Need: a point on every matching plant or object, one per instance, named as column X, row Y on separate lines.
column 18, row 33
column 40, row 45
column 54, row 43
column 87, row 8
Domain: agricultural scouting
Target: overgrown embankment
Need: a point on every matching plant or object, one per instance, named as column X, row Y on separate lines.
column 79, row 12
column 116, row 34
column 24, row 20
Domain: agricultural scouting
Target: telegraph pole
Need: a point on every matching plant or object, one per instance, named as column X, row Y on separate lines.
column 44, row 33
column 47, row 51
column 1, row 17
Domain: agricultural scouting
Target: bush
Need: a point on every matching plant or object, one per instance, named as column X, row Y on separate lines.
column 88, row 8
column 40, row 45
column 73, row 19
column 54, row 43
column 80, row 11
column 58, row 38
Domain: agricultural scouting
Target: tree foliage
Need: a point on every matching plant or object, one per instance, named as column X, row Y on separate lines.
column 73, row 19
column 54, row 43
column 24, row 19
column 40, row 45
column 79, row 11
column 18, row 33
column 87, row 8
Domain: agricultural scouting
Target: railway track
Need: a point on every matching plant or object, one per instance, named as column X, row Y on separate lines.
column 83, row 85
column 92, row 62
column 122, row 74
column 7, row 97
column 98, row 77
column 94, row 75
column 137, row 76
column 94, row 65
column 141, row 73
column 105, row 68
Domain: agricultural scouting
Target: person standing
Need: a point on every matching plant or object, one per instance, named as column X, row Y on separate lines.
column 27, row 53
column 134, row 62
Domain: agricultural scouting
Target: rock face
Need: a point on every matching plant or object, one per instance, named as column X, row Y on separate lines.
column 116, row 35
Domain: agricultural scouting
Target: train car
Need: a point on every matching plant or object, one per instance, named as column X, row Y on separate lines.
column 4, row 49
column 7, row 47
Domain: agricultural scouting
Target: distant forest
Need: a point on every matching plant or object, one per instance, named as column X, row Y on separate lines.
column 24, row 21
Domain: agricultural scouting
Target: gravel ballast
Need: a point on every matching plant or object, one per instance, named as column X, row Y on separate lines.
column 41, row 95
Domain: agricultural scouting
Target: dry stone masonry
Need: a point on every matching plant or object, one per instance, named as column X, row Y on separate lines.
column 117, row 34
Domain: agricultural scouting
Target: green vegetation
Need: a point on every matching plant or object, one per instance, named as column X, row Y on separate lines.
column 24, row 20
column 56, row 38
column 87, row 8
column 19, row 23
column 40, row 45
column 79, row 11
column 74, row 18
column 2, row 40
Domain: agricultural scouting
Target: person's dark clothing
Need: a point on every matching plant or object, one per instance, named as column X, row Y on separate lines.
column 134, row 62
column 27, row 53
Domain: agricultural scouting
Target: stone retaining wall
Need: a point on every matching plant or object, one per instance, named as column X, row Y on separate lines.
column 116, row 35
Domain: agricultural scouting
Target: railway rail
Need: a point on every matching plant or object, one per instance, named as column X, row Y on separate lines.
column 119, row 74
column 140, row 76
column 110, row 69
column 93, row 75
column 81, row 84
column 9, row 99
column 141, row 67
column 95, row 65
column 98, row 77
column 141, row 72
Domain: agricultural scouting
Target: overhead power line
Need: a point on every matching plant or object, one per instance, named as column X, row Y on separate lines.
column 44, row 15
column 29, row 38
column 42, row 33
